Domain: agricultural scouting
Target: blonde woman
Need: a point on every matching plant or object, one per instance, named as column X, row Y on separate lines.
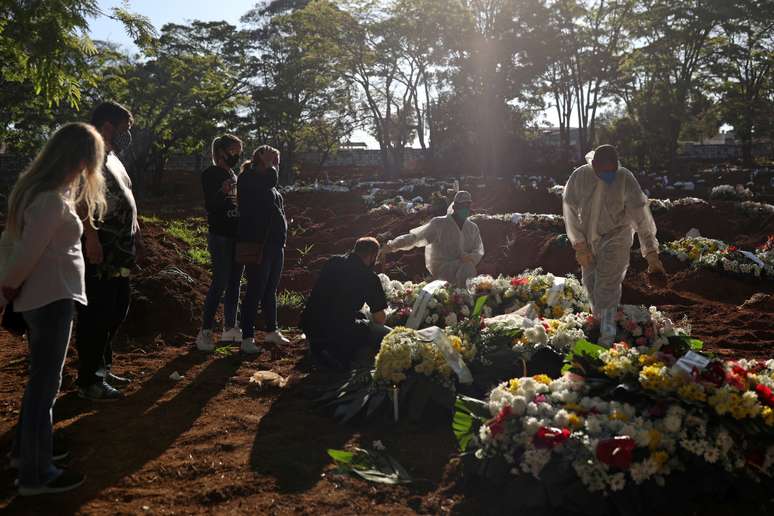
column 44, row 278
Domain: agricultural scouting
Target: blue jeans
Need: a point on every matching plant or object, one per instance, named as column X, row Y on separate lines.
column 48, row 337
column 226, row 276
column 262, row 283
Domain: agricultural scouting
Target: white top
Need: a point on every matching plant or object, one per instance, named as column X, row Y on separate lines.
column 47, row 261
column 445, row 246
column 595, row 211
column 114, row 166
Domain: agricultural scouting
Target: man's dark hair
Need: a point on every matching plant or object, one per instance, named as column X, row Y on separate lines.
column 112, row 112
column 366, row 246
column 606, row 154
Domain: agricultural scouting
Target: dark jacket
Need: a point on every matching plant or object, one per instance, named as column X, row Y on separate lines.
column 333, row 308
column 220, row 200
column 261, row 208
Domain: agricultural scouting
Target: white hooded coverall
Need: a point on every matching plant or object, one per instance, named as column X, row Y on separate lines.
column 445, row 246
column 606, row 217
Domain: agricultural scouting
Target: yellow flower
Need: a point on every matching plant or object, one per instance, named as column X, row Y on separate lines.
column 575, row 421
column 542, row 378
column 617, row 415
column 768, row 416
column 513, row 386
column 660, row 458
column 693, row 392
column 654, row 439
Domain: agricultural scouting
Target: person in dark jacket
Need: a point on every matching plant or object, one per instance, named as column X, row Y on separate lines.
column 262, row 219
column 219, row 184
column 339, row 332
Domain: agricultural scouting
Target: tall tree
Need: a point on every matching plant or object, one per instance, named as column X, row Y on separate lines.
column 743, row 66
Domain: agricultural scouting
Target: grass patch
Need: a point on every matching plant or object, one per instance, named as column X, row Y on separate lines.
column 149, row 219
column 194, row 233
column 291, row 299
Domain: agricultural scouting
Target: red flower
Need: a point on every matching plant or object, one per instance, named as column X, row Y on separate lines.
column 616, row 452
column 765, row 395
column 550, row 437
column 731, row 249
column 737, row 377
column 755, row 457
column 497, row 425
column 517, row 282
column 714, row 374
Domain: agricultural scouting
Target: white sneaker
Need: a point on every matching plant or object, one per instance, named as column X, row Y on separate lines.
column 249, row 347
column 204, row 341
column 232, row 335
column 277, row 338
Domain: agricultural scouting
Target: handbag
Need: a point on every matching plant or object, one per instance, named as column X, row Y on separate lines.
column 13, row 322
column 251, row 253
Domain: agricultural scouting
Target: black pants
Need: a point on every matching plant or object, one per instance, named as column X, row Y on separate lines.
column 98, row 323
column 356, row 346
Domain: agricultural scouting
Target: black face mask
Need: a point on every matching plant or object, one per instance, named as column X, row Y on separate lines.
column 231, row 160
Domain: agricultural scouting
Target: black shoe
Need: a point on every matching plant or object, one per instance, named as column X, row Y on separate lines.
column 100, row 391
column 117, row 381
column 67, row 481
column 59, row 453
column 112, row 379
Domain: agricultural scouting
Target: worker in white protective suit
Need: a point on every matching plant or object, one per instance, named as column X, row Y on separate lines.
column 603, row 206
column 453, row 246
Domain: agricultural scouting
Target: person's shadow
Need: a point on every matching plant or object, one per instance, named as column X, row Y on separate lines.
column 120, row 438
column 293, row 437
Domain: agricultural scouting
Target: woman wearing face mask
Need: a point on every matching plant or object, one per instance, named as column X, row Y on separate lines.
column 44, row 278
column 219, row 183
column 262, row 224
column 453, row 246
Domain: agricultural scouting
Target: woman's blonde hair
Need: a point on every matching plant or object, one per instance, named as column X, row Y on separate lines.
column 257, row 155
column 71, row 146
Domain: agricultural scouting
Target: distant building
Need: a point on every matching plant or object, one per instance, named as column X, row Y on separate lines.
column 722, row 147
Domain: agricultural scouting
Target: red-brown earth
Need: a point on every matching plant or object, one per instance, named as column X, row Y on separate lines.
column 213, row 443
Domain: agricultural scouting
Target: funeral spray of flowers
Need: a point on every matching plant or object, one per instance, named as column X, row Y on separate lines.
column 553, row 296
column 650, row 413
column 718, row 255
column 411, row 369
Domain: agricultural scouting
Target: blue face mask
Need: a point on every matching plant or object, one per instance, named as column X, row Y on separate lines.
column 608, row 176
column 462, row 213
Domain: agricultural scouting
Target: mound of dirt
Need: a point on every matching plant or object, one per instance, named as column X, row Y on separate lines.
column 168, row 292
column 720, row 220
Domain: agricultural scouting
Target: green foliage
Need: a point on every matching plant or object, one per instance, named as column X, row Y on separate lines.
column 468, row 415
column 193, row 232
column 371, row 465
column 291, row 299
column 457, row 75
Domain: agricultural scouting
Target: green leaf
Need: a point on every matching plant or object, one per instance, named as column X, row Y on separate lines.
column 479, row 307
column 341, row 456
column 687, row 342
column 370, row 465
column 467, row 412
column 582, row 349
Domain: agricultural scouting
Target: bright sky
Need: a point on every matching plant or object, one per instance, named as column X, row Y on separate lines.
column 161, row 12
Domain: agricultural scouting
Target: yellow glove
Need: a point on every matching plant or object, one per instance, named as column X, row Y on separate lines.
column 583, row 255
column 654, row 263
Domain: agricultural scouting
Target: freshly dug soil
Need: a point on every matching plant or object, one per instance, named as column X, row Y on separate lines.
column 214, row 443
